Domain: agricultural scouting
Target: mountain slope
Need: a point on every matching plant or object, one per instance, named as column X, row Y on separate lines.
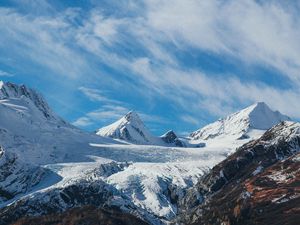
column 171, row 138
column 130, row 128
column 157, row 184
column 16, row 176
column 31, row 130
column 84, row 215
column 12, row 91
column 249, row 122
column 238, row 190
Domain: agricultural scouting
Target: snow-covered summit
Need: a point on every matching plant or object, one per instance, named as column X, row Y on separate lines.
column 31, row 130
column 10, row 90
column 129, row 128
column 237, row 125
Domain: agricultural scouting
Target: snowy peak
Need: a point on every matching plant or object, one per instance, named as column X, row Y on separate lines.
column 262, row 117
column 258, row 116
column 171, row 138
column 10, row 90
column 133, row 118
column 129, row 128
column 132, row 115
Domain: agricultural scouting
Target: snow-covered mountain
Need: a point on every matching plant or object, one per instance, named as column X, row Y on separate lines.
column 17, row 176
column 242, row 124
column 30, row 129
column 267, row 173
column 171, row 138
column 129, row 128
column 49, row 166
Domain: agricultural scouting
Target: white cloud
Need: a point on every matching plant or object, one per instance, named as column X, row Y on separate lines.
column 255, row 32
column 190, row 119
column 108, row 113
column 5, row 74
column 82, row 122
column 96, row 95
column 252, row 32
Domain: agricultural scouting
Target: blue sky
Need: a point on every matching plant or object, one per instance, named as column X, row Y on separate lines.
column 179, row 65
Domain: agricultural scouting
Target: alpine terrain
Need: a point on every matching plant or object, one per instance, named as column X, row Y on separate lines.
column 242, row 169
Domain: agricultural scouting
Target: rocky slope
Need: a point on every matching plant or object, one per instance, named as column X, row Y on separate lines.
column 171, row 138
column 50, row 167
column 17, row 177
column 84, row 215
column 250, row 184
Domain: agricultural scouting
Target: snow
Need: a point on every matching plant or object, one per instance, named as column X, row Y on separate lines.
column 147, row 184
column 258, row 170
column 27, row 127
column 124, row 156
column 130, row 128
column 243, row 125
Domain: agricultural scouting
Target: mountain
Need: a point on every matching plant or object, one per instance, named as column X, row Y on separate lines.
column 17, row 176
column 84, row 215
column 52, row 170
column 9, row 90
column 171, row 138
column 130, row 128
column 242, row 124
column 31, row 130
column 258, row 184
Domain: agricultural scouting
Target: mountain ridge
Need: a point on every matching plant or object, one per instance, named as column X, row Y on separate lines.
column 153, row 182
column 257, row 116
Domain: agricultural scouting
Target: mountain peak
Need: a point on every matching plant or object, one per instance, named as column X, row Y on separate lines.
column 129, row 128
column 262, row 117
column 170, row 137
column 132, row 116
column 12, row 90
column 258, row 116
column 15, row 92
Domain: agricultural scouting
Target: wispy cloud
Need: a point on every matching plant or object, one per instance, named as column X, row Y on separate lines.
column 96, row 95
column 82, row 122
column 105, row 115
column 5, row 74
column 141, row 44
column 110, row 113
column 190, row 119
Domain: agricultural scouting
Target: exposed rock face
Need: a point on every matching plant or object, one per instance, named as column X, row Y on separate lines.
column 171, row 138
column 96, row 193
column 235, row 191
column 88, row 215
column 17, row 177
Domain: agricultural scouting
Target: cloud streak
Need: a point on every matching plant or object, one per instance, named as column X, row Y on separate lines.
column 135, row 51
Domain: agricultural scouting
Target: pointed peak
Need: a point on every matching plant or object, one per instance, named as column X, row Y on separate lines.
column 12, row 90
column 257, row 116
column 260, row 105
column 169, row 133
column 9, row 90
column 255, row 106
column 132, row 116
